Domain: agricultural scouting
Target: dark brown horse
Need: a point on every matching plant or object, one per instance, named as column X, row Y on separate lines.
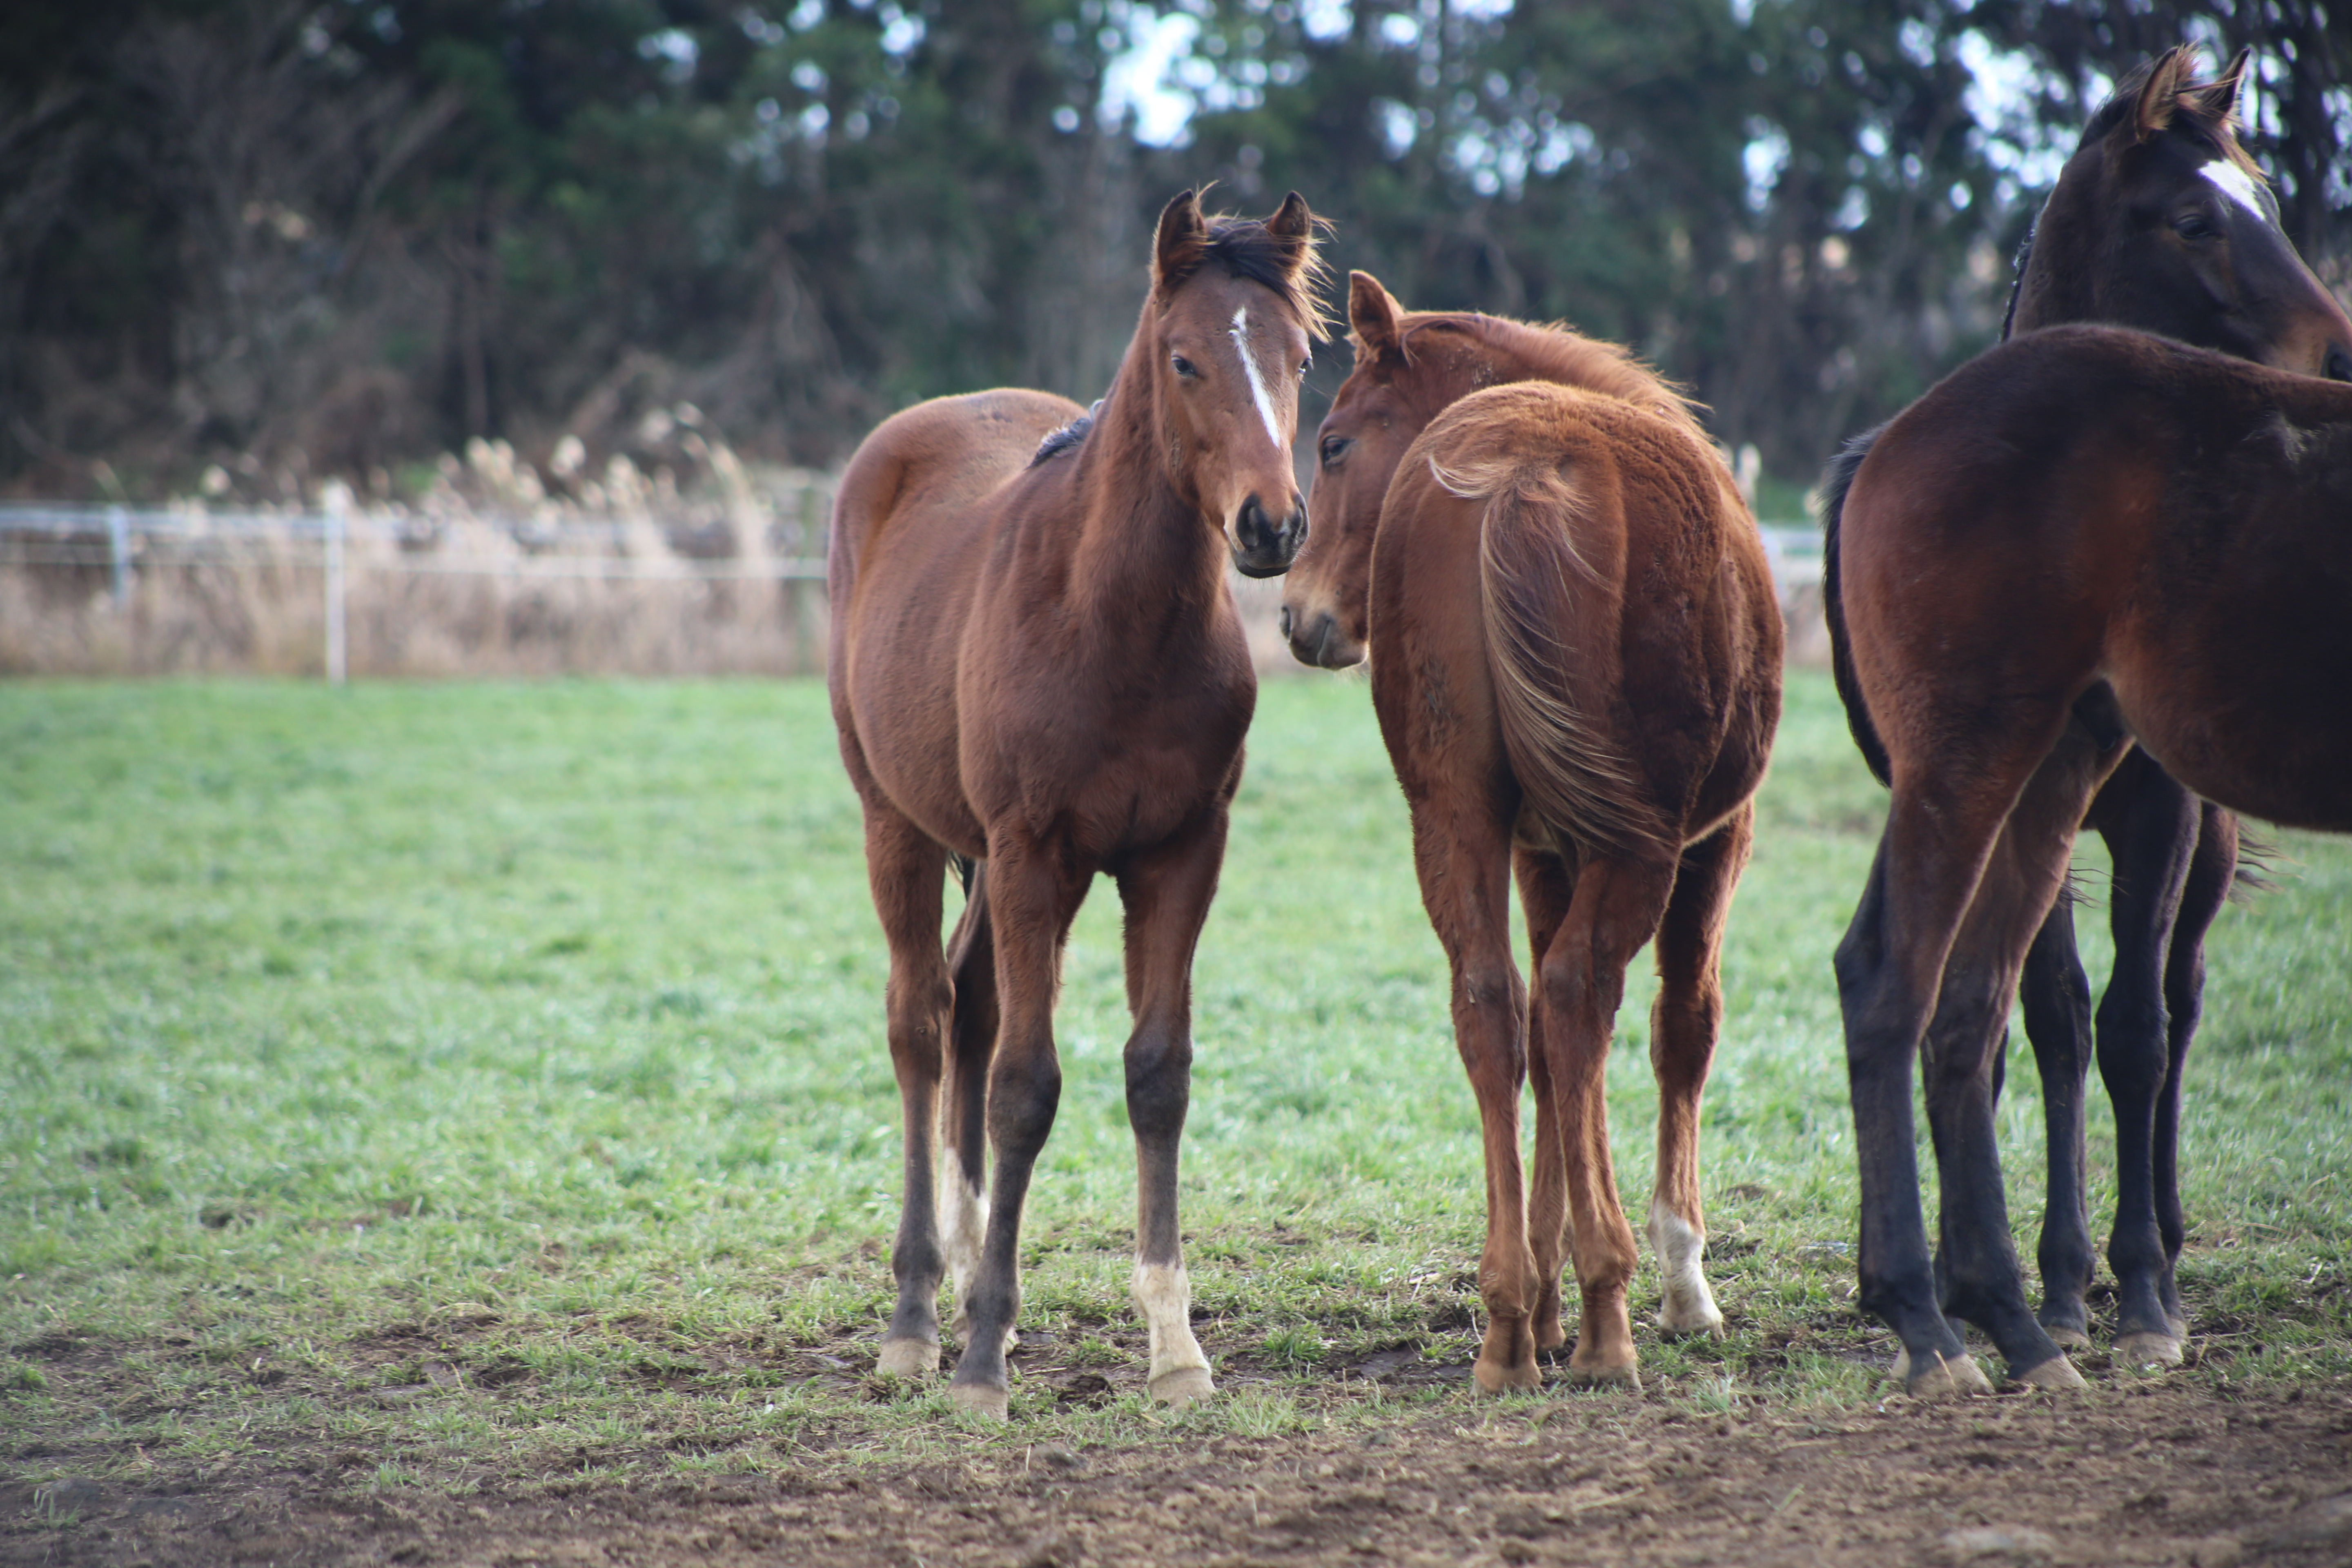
column 1036, row 668
column 2157, row 221
column 2085, row 538
column 1577, row 667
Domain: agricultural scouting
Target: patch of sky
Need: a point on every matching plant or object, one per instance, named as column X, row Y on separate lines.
column 1763, row 160
column 2000, row 99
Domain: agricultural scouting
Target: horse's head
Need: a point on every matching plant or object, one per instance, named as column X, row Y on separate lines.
column 1408, row 368
column 1229, row 328
column 2162, row 221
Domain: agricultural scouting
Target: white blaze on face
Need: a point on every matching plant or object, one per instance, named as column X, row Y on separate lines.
column 1239, row 332
column 2238, row 185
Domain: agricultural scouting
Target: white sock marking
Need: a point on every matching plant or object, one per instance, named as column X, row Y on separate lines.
column 963, row 1225
column 1164, row 1296
column 1689, row 1304
column 2238, row 185
column 1239, row 332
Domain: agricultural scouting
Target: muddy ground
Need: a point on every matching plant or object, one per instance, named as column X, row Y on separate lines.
column 2145, row 1474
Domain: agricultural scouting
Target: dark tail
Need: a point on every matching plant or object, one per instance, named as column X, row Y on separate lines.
column 1835, row 482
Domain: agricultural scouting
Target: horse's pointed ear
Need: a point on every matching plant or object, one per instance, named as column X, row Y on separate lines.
column 1372, row 315
column 1292, row 223
column 2159, row 96
column 2219, row 97
column 1177, row 249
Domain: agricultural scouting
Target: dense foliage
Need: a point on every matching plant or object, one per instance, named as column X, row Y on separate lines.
column 342, row 235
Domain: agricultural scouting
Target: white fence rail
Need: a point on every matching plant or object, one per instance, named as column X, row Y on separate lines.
column 125, row 542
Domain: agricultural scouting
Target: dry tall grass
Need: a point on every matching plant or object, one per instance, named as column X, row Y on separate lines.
column 497, row 569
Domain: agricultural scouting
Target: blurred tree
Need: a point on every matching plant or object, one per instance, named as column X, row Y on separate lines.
column 322, row 235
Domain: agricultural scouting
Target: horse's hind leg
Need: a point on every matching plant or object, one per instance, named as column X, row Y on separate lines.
column 1619, row 902
column 1941, row 830
column 2210, row 873
column 1982, row 1280
column 1684, row 1025
column 964, row 1108
column 1166, row 893
column 1033, row 894
column 2152, row 833
column 2056, row 997
column 1546, row 886
column 907, row 869
column 1463, row 855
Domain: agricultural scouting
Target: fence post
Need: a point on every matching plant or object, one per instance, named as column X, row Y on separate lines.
column 118, row 545
column 808, row 654
column 338, row 501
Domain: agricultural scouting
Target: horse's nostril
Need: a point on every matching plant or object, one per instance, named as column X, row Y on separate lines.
column 1285, row 623
column 2339, row 362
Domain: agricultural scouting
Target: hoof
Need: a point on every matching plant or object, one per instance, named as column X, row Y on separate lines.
column 1626, row 1376
column 907, row 1358
column 2148, row 1348
column 979, row 1399
column 2067, row 1338
column 1182, row 1385
column 1948, row 1379
column 1492, row 1378
column 1692, row 1323
column 2056, row 1375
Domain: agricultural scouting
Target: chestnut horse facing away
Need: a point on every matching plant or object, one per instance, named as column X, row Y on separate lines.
column 1036, row 668
column 2159, row 221
column 1577, row 668
column 2084, row 538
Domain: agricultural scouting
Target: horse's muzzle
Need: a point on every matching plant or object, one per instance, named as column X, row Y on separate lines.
column 1264, row 546
column 1316, row 638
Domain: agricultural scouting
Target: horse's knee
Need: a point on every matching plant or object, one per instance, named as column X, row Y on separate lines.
column 1024, row 1093
column 1159, row 1081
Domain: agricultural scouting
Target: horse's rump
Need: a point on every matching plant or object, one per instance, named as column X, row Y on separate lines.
column 1571, row 486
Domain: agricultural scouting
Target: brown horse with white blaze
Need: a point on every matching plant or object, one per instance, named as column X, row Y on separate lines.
column 1576, row 661
column 1037, row 669
column 2187, row 518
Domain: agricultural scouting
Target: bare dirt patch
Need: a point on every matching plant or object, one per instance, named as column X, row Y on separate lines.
column 2146, row 1473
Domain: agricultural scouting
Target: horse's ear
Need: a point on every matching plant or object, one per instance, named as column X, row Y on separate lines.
column 2219, row 97
column 1294, row 225
column 2159, row 96
column 1372, row 317
column 1183, row 234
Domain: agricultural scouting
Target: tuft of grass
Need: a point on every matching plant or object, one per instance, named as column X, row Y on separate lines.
column 484, row 1085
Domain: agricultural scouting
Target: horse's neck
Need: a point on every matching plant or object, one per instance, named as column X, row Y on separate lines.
column 1144, row 553
column 2060, row 283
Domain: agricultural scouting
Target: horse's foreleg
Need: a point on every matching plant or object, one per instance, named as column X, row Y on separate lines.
column 1546, row 886
column 907, row 870
column 964, row 1109
column 2056, row 997
column 1462, row 854
column 1031, row 896
column 1684, row 1025
column 1166, row 893
column 2152, row 833
column 1617, row 906
column 2211, row 875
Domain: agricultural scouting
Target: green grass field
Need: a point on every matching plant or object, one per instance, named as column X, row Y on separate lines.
column 474, row 1085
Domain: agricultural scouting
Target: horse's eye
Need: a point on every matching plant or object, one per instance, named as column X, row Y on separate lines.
column 2194, row 226
column 1304, row 366
column 1183, row 367
column 1333, row 449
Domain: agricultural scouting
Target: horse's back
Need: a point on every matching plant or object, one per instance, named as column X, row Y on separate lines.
column 2191, row 518
column 934, row 465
